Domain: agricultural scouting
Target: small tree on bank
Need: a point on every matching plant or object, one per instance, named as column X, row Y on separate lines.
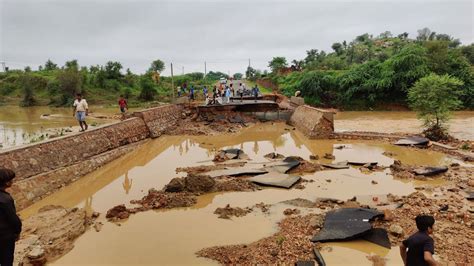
column 433, row 97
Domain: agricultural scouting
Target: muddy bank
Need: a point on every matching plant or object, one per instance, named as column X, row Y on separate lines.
column 50, row 234
column 289, row 245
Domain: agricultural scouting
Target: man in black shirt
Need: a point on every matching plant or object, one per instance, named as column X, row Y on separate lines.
column 420, row 245
column 10, row 223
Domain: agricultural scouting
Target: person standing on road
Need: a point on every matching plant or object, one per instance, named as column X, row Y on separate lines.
column 123, row 106
column 81, row 110
column 191, row 93
column 227, row 95
column 10, row 223
column 255, row 92
column 205, row 92
column 241, row 92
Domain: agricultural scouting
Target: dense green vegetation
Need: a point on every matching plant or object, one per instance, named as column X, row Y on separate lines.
column 374, row 72
column 55, row 85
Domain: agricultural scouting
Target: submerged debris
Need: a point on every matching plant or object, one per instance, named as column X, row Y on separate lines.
column 274, row 155
column 413, row 140
column 227, row 212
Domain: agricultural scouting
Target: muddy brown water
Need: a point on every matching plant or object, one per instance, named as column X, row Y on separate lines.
column 23, row 125
column 461, row 125
column 173, row 236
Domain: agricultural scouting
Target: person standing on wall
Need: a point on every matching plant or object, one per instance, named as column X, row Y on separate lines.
column 10, row 223
column 255, row 92
column 123, row 106
column 81, row 110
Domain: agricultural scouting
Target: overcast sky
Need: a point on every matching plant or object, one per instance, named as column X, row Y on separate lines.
column 223, row 33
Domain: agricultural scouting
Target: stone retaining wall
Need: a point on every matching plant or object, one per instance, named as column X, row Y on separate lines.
column 44, row 167
column 159, row 119
column 313, row 122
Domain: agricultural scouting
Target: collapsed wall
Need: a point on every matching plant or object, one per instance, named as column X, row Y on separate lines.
column 44, row 167
column 313, row 122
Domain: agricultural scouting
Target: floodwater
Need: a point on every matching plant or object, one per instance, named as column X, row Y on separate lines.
column 23, row 125
column 461, row 125
column 173, row 236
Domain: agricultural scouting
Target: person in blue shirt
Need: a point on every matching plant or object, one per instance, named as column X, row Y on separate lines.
column 191, row 93
column 204, row 91
column 255, row 92
column 227, row 94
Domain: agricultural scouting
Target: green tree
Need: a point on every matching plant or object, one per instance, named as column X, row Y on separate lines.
column 468, row 52
column 277, row 63
column 434, row 97
column 337, row 47
column 27, row 83
column 49, row 65
column 112, row 70
column 250, row 73
column 148, row 90
column 27, row 69
column 69, row 83
column 71, row 64
column 238, row 76
column 157, row 66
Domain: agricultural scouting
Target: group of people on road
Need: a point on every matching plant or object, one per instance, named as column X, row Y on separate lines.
column 224, row 94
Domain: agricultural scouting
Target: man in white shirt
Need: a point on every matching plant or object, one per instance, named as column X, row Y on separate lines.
column 81, row 110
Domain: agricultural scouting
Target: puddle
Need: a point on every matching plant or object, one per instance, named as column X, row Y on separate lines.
column 356, row 252
column 402, row 121
column 173, row 236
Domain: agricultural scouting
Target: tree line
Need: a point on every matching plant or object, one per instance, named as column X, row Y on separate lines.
column 371, row 71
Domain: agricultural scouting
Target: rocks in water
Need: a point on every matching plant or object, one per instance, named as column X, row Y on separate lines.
column 175, row 185
column 236, row 171
column 291, row 211
column 329, row 156
column 396, row 230
column 299, row 202
column 199, row 183
column 428, row 171
column 118, row 212
column 346, row 224
column 283, row 166
column 227, row 212
column 229, row 154
column 413, row 140
column 274, row 155
column 314, row 157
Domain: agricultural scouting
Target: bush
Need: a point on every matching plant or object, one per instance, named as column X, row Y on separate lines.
column 434, row 97
column 148, row 91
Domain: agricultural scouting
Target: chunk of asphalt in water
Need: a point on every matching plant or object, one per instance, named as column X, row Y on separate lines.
column 412, row 140
column 281, row 166
column 338, row 165
column 430, row 170
column 362, row 163
column 346, row 224
column 236, row 171
column 378, row 236
column 318, row 257
column 275, row 179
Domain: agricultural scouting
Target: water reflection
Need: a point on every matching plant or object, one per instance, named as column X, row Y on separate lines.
column 153, row 165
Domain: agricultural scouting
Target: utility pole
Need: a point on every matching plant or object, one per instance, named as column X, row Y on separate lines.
column 249, row 62
column 172, row 82
column 205, row 70
column 183, row 70
column 3, row 67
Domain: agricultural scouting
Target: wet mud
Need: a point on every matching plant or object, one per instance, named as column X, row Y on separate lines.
column 184, row 230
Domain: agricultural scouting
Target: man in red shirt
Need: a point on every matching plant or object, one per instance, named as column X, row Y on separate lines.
column 123, row 106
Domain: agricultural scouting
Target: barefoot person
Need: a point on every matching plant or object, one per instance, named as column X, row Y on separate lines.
column 420, row 245
column 81, row 110
column 10, row 223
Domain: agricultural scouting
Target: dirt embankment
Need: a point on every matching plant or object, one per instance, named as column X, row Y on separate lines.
column 50, row 234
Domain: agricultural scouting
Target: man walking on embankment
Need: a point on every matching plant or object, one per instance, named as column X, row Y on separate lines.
column 10, row 223
column 81, row 110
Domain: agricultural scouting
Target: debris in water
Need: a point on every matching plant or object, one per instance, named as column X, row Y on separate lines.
column 378, row 236
column 227, row 212
column 427, row 171
column 338, row 165
column 274, row 155
column 329, row 156
column 275, row 180
column 413, row 140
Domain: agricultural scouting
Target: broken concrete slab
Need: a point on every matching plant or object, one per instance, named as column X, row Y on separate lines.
column 281, row 166
column 470, row 195
column 364, row 163
column 318, row 257
column 275, row 179
column 338, row 165
column 236, row 171
column 427, row 171
column 412, row 140
column 346, row 224
column 229, row 154
column 378, row 236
